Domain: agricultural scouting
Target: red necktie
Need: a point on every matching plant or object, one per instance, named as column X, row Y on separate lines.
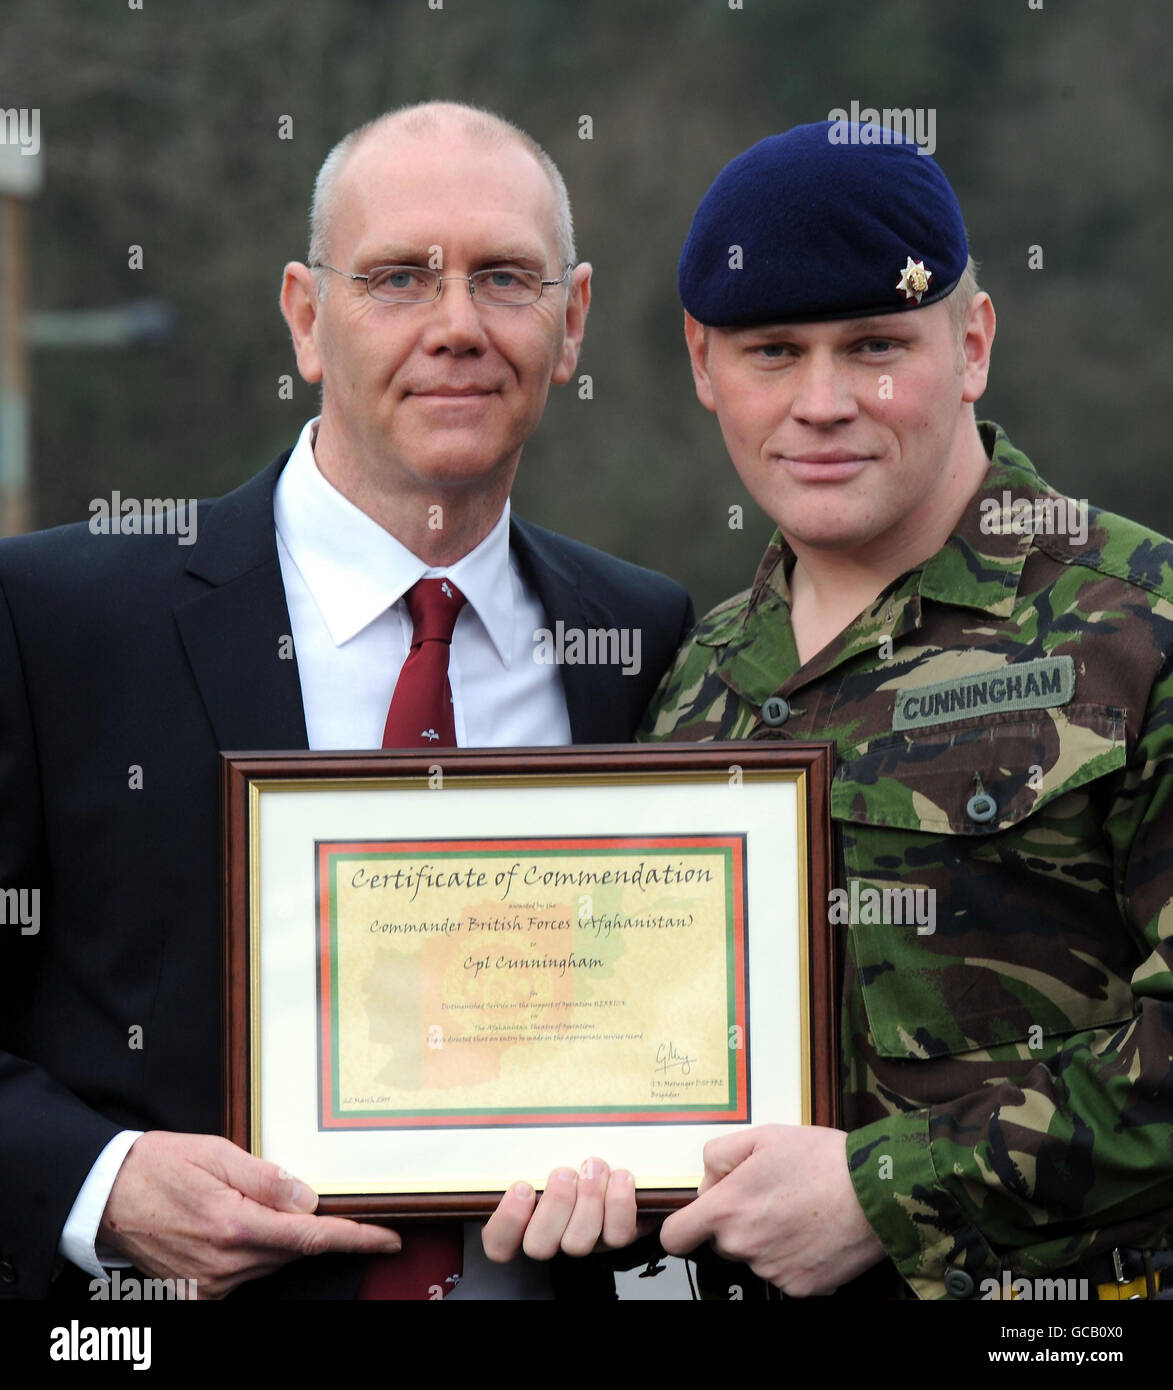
column 421, row 717
column 421, row 708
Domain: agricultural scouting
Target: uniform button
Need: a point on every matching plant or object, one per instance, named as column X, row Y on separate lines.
column 7, row 1273
column 775, row 711
column 958, row 1283
column 981, row 807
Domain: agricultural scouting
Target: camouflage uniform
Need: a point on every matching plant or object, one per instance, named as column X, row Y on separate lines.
column 1013, row 1070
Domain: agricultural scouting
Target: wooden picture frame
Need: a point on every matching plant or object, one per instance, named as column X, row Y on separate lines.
column 698, row 885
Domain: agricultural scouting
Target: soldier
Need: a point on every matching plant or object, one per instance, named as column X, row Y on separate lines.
column 992, row 661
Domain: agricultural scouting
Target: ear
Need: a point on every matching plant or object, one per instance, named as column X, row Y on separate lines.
column 696, row 336
column 578, row 302
column 299, row 304
column 977, row 345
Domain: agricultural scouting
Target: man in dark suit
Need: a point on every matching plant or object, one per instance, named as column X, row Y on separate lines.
column 440, row 301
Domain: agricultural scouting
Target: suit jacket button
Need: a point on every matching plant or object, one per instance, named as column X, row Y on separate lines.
column 775, row 711
column 958, row 1283
column 7, row 1273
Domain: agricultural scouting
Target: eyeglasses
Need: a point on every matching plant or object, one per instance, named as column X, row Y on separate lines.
column 413, row 284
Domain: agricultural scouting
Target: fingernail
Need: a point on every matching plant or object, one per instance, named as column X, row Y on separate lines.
column 589, row 1167
column 522, row 1190
column 394, row 1244
column 566, row 1174
column 621, row 1175
column 302, row 1198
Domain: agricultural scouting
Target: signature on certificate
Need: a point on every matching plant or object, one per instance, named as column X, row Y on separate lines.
column 667, row 1058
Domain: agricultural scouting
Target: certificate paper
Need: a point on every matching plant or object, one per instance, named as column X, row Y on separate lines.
column 511, row 982
column 448, row 973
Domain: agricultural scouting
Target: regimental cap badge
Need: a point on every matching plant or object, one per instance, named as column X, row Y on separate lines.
column 914, row 280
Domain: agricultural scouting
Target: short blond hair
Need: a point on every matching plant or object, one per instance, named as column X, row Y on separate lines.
column 960, row 297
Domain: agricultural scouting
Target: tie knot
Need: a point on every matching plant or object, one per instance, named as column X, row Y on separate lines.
column 434, row 605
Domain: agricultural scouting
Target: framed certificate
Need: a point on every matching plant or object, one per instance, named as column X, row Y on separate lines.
column 443, row 974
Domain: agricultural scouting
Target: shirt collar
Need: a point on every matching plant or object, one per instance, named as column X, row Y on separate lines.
column 484, row 577
column 355, row 570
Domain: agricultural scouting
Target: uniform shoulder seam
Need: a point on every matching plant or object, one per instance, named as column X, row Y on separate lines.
column 1152, row 583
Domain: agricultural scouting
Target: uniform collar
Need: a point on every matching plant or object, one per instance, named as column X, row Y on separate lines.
column 978, row 567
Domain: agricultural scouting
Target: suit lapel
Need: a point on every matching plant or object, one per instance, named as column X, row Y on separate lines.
column 237, row 632
column 595, row 702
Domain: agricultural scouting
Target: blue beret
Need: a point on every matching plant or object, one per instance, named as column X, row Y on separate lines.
column 828, row 226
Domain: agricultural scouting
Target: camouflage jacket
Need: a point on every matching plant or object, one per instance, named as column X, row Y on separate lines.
column 1003, row 720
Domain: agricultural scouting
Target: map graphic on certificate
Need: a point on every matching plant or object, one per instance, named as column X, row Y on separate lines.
column 561, row 981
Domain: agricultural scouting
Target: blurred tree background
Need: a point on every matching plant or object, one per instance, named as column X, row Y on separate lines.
column 159, row 127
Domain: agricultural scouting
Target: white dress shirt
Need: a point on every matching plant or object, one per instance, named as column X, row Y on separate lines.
column 345, row 579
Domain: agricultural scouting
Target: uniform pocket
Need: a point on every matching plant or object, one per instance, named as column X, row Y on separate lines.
column 1000, row 820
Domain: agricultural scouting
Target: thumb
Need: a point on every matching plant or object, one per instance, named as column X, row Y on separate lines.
column 266, row 1183
column 724, row 1154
